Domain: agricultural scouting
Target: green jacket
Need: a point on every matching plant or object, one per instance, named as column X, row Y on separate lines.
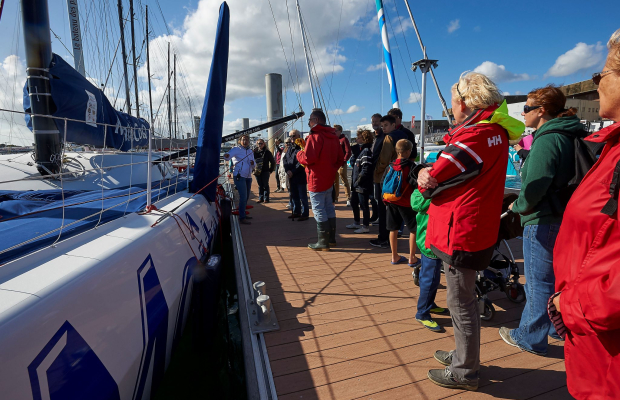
column 548, row 167
column 421, row 205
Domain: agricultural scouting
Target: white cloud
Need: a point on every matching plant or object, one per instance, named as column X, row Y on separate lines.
column 506, row 93
column 498, row 73
column 364, row 119
column 350, row 110
column 375, row 67
column 454, row 25
column 582, row 56
column 477, row 29
column 12, row 126
column 414, row 97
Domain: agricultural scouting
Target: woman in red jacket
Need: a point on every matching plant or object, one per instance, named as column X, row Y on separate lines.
column 586, row 308
column 466, row 186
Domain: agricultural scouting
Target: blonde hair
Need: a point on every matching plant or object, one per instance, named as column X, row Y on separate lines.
column 365, row 135
column 296, row 132
column 613, row 58
column 477, row 90
column 403, row 145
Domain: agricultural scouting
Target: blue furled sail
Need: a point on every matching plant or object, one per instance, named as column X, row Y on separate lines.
column 387, row 55
column 206, row 167
column 74, row 97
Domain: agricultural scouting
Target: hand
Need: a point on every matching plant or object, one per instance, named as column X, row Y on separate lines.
column 425, row 180
column 517, row 147
column 556, row 302
column 289, row 173
column 226, row 156
column 251, row 163
column 510, row 206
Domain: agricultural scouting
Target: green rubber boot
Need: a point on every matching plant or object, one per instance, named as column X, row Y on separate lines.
column 332, row 231
column 322, row 229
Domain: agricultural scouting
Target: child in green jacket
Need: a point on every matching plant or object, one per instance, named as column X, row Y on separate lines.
column 428, row 275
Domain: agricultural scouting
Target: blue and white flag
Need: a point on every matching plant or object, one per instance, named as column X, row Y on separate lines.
column 387, row 55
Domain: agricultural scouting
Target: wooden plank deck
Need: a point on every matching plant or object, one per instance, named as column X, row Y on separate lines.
column 347, row 320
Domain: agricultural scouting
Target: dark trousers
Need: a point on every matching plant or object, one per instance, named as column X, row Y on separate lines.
column 278, row 176
column 373, row 207
column 355, row 206
column 263, row 185
column 364, row 199
column 299, row 198
column 381, row 208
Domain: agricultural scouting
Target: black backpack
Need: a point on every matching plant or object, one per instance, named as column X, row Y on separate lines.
column 585, row 158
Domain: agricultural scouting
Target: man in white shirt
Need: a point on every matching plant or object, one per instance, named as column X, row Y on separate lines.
column 242, row 157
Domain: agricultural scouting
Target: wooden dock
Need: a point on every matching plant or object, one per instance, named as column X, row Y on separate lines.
column 347, row 320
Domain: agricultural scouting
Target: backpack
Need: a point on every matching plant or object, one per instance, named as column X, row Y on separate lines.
column 585, row 158
column 393, row 185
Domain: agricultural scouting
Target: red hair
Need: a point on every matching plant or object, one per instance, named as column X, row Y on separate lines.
column 552, row 99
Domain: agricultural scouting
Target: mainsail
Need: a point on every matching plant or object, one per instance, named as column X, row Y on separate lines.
column 88, row 111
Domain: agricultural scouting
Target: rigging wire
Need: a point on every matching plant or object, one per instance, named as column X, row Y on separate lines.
column 337, row 43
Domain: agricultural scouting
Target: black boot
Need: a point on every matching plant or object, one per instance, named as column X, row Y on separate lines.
column 322, row 229
column 332, row 231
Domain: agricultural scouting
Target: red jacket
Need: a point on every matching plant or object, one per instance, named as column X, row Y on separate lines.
column 465, row 211
column 585, row 261
column 322, row 157
column 346, row 147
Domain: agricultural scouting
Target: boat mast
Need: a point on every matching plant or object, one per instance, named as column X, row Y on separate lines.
column 303, row 39
column 38, row 48
column 148, row 65
column 387, row 55
column 76, row 36
column 169, row 106
column 176, row 120
column 124, row 52
column 135, row 61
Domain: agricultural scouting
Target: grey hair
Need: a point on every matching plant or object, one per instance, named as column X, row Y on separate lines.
column 614, row 39
column 613, row 57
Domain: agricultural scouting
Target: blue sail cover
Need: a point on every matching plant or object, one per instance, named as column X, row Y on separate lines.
column 76, row 98
column 206, row 167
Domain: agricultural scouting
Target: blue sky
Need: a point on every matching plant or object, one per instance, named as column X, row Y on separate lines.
column 522, row 45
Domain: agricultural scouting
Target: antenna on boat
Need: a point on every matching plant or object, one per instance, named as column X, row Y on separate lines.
column 38, row 48
column 176, row 120
column 303, row 39
column 135, row 61
column 76, row 36
column 148, row 66
column 124, row 52
column 169, row 105
column 425, row 66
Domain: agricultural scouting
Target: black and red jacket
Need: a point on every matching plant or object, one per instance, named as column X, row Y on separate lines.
column 464, row 214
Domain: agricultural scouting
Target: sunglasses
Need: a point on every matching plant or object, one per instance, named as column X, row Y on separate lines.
column 597, row 76
column 527, row 109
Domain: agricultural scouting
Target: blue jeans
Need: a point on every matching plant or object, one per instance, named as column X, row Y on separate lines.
column 322, row 205
column 243, row 187
column 535, row 325
column 299, row 198
column 430, row 274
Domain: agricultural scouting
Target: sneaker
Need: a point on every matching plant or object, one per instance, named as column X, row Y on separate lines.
column 384, row 244
column 259, row 200
column 443, row 357
column 266, row 201
column 504, row 333
column 245, row 222
column 374, row 221
column 348, row 203
column 288, row 206
column 247, row 217
column 445, row 378
column 363, row 229
column 354, row 225
column 302, row 218
column 439, row 310
column 430, row 324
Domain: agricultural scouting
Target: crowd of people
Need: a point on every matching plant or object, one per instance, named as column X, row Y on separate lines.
column 452, row 209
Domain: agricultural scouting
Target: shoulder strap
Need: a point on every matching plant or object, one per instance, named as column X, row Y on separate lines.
column 614, row 187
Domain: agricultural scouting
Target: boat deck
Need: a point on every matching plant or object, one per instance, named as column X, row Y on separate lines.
column 347, row 320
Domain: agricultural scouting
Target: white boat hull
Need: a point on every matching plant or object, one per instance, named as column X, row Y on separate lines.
column 96, row 316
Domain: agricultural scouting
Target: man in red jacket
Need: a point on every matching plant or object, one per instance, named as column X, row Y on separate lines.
column 586, row 309
column 322, row 156
column 342, row 172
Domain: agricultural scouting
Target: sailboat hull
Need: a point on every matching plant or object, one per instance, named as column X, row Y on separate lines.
column 97, row 316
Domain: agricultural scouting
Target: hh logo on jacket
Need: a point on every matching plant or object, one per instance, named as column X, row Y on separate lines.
column 495, row 140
